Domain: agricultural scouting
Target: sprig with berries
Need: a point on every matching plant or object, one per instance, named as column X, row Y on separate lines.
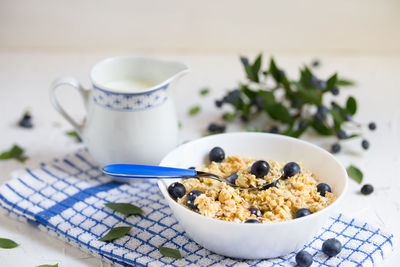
column 293, row 105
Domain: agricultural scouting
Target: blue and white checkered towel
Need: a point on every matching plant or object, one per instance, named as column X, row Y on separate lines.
column 66, row 198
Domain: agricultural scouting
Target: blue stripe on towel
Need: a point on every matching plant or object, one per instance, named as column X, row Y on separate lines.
column 67, row 203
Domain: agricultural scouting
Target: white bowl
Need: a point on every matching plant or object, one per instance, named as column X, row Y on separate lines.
column 255, row 241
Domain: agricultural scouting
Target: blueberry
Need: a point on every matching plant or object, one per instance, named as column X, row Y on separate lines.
column 26, row 121
column 304, row 259
column 255, row 211
column 274, row 129
column 335, row 90
column 258, row 101
column 331, row 247
column 314, row 81
column 315, row 63
column 218, row 103
column 216, row 128
column 291, row 169
column 302, row 212
column 335, row 148
column 323, row 110
column 367, row 189
column 176, row 190
column 244, row 60
column 365, row 144
column 191, row 197
column 302, row 124
column 372, row 126
column 260, row 168
column 244, row 118
column 295, row 103
column 269, row 185
column 217, row 154
column 347, row 117
column 252, row 221
column 341, row 134
column 322, row 188
column 321, row 85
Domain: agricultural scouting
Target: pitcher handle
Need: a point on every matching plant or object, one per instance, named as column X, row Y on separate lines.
column 84, row 93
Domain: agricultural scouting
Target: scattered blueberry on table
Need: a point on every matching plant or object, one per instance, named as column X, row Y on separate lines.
column 367, row 189
column 216, row 128
column 217, row 154
column 302, row 212
column 331, row 247
column 190, row 198
column 322, row 188
column 372, row 126
column 26, row 121
column 260, row 168
column 365, row 144
column 291, row 169
column 335, row 148
column 255, row 211
column 304, row 259
column 252, row 221
column 176, row 190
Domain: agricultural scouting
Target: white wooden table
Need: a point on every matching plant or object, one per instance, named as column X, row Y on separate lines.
column 25, row 78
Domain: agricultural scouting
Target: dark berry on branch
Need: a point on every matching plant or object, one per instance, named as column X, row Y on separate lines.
column 347, row 117
column 218, row 103
column 335, row 148
column 303, row 124
column 341, row 134
column 274, row 129
column 244, row 60
column 335, row 90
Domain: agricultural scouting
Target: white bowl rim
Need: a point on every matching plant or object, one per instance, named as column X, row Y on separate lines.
column 161, row 182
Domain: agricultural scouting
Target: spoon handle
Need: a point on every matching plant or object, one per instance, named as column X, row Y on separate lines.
column 146, row 171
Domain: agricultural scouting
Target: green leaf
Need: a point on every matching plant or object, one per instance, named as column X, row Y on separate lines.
column 351, row 105
column 170, row 252
column 179, row 124
column 274, row 70
column 321, row 128
column 48, row 265
column 279, row 112
column 7, row 243
column 256, row 67
column 194, row 110
column 344, row 82
column 331, row 82
column 116, row 233
column 125, row 208
column 337, row 118
column 74, row 134
column 355, row 173
column 229, row 116
column 15, row 152
column 204, row 91
column 352, row 136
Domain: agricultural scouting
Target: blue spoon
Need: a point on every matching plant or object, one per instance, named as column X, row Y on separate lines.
column 158, row 172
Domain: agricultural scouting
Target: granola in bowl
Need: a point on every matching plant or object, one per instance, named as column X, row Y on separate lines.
column 296, row 192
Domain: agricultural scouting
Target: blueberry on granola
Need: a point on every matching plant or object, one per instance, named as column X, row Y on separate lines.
column 291, row 169
column 176, row 190
column 260, row 168
column 190, row 198
column 255, row 211
column 331, row 247
column 252, row 221
column 217, row 154
column 302, row 212
column 322, row 188
column 304, row 259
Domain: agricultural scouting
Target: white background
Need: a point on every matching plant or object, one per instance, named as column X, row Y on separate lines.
column 40, row 41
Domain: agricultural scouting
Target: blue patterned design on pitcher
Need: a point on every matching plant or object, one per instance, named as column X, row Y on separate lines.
column 130, row 101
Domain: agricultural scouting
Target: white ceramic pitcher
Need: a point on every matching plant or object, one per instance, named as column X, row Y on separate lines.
column 126, row 123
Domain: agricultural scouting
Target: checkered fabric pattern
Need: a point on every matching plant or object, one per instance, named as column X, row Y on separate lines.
column 66, row 198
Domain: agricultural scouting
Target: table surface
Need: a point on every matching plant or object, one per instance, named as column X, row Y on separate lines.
column 25, row 78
